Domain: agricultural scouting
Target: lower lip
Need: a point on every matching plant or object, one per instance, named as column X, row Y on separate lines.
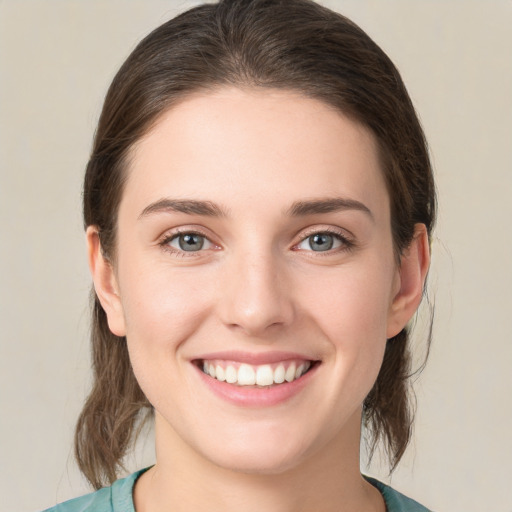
column 256, row 397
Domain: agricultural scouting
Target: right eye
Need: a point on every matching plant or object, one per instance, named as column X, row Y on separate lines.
column 189, row 242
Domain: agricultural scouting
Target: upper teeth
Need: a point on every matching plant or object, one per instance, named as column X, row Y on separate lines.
column 249, row 375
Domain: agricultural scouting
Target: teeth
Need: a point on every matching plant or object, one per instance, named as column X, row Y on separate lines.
column 248, row 375
column 219, row 373
column 231, row 375
column 279, row 374
column 290, row 373
column 264, row 376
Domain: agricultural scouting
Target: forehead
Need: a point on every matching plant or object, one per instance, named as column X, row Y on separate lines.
column 243, row 145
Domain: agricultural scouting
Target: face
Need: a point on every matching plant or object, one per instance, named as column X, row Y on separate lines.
column 255, row 279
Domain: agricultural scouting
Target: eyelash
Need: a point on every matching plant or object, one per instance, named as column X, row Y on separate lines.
column 168, row 238
column 346, row 243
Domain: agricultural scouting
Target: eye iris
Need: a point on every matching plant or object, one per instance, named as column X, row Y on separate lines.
column 191, row 242
column 321, row 242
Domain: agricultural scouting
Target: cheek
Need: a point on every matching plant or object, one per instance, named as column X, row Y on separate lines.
column 162, row 305
column 163, row 312
column 353, row 303
column 351, row 308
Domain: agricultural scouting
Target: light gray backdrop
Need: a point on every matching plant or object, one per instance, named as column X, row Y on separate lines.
column 57, row 58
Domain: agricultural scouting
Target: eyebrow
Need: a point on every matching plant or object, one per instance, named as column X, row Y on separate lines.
column 297, row 209
column 188, row 206
column 328, row 205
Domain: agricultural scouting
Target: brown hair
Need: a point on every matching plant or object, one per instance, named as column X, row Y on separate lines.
column 286, row 44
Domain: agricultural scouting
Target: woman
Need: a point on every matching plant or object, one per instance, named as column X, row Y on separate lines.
column 258, row 206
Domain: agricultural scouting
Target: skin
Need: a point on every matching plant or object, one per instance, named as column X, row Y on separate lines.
column 257, row 286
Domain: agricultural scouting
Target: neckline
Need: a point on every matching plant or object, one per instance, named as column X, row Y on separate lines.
column 122, row 491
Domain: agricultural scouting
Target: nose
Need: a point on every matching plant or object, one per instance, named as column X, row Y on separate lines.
column 257, row 294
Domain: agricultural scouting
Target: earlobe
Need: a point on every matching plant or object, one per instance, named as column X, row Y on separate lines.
column 105, row 282
column 414, row 265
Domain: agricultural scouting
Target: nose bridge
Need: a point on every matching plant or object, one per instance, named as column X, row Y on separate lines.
column 256, row 296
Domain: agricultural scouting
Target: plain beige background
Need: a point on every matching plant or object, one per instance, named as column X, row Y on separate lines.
column 57, row 58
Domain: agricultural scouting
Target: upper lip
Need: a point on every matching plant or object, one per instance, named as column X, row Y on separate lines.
column 253, row 358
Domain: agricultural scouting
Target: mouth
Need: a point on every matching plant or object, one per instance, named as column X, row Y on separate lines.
column 256, row 376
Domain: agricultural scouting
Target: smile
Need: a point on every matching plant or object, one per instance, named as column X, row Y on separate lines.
column 243, row 374
column 255, row 380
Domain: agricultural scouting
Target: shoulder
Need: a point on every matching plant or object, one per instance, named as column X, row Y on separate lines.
column 116, row 498
column 396, row 501
column 99, row 501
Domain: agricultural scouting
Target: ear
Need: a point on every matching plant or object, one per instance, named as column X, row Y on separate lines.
column 105, row 282
column 414, row 264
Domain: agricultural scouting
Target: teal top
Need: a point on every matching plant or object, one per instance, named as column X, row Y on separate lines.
column 118, row 498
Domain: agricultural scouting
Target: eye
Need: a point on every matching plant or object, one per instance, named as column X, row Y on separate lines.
column 323, row 241
column 188, row 242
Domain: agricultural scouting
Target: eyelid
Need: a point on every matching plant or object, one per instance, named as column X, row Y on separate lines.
column 347, row 239
column 165, row 240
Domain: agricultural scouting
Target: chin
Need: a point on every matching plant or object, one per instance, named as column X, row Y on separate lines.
column 256, row 464
column 258, row 458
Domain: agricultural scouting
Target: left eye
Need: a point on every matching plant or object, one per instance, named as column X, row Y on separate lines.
column 320, row 242
column 189, row 242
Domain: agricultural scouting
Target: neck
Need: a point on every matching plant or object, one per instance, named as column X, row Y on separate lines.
column 327, row 481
